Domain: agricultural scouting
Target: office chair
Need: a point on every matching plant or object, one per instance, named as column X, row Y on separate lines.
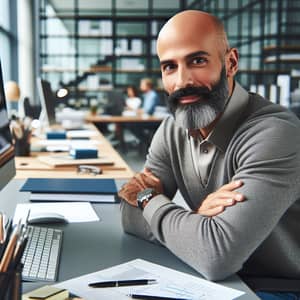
column 32, row 111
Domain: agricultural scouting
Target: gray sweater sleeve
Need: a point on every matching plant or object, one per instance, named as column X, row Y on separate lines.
column 265, row 155
column 132, row 218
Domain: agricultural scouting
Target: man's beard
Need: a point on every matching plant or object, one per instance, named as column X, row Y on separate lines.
column 203, row 112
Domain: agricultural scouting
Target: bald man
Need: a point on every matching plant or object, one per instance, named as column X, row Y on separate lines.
column 233, row 155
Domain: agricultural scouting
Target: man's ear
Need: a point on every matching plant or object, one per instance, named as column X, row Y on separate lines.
column 232, row 62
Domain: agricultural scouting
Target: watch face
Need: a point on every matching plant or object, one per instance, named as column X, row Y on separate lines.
column 144, row 195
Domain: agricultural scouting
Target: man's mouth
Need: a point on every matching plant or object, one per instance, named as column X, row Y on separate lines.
column 189, row 99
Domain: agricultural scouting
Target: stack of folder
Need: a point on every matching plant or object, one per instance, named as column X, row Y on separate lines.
column 60, row 189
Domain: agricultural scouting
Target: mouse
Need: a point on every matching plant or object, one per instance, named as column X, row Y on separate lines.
column 46, row 217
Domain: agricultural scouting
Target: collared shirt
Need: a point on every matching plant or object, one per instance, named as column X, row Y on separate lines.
column 150, row 101
column 204, row 150
column 202, row 154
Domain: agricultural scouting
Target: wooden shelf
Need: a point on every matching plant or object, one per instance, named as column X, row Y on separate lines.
column 96, row 36
column 95, row 70
column 118, row 18
column 285, row 49
column 282, row 58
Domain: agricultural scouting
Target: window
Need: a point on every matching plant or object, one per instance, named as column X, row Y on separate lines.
column 6, row 38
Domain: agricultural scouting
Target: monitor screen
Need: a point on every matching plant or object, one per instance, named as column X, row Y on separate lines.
column 7, row 164
column 115, row 103
column 47, row 99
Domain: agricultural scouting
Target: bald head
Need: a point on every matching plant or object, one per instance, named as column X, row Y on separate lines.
column 194, row 24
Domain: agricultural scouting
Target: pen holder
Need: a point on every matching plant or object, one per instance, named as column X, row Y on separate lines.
column 11, row 285
column 22, row 145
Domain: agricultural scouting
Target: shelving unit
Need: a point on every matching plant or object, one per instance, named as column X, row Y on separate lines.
column 109, row 45
column 99, row 51
column 266, row 34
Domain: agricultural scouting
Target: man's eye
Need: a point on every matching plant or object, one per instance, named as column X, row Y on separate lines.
column 168, row 68
column 199, row 60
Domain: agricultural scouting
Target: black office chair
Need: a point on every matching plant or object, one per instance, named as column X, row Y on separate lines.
column 32, row 111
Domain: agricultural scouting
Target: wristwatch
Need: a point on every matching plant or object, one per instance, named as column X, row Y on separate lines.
column 143, row 197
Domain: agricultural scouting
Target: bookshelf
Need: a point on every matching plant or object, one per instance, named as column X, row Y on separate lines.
column 91, row 51
column 92, row 46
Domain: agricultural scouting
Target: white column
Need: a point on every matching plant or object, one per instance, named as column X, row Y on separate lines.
column 26, row 49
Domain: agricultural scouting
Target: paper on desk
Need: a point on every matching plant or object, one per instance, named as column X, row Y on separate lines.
column 74, row 212
column 171, row 283
column 71, row 143
column 81, row 133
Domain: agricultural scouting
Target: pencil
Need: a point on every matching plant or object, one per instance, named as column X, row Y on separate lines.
column 1, row 229
column 8, row 254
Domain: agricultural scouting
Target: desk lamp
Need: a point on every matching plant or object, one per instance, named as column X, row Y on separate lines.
column 12, row 92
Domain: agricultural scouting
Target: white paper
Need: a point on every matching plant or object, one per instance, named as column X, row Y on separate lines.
column 81, row 133
column 171, row 283
column 74, row 212
column 72, row 197
column 85, row 144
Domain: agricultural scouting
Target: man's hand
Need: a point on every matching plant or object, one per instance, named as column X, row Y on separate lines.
column 216, row 202
column 138, row 183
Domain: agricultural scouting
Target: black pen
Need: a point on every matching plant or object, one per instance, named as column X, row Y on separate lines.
column 152, row 297
column 117, row 283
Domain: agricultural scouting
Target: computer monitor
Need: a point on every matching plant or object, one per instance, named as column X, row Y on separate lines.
column 7, row 163
column 115, row 103
column 47, row 99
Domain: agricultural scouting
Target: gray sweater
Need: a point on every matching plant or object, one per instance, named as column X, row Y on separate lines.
column 257, row 142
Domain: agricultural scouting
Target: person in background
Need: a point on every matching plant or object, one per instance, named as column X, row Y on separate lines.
column 144, row 132
column 133, row 101
column 235, row 158
column 150, row 96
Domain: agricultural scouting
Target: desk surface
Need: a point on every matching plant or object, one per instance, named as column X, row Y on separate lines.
column 32, row 167
column 122, row 119
column 90, row 247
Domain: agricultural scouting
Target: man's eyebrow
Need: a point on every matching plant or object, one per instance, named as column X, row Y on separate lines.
column 189, row 56
column 166, row 62
column 197, row 53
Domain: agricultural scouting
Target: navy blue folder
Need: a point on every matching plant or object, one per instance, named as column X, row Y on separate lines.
column 70, row 186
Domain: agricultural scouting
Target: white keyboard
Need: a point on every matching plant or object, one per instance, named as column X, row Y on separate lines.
column 42, row 253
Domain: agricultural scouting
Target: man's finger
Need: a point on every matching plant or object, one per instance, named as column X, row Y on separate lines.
column 211, row 212
column 231, row 185
column 148, row 173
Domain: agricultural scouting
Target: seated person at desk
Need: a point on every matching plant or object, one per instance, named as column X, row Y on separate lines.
column 132, row 102
column 144, row 132
column 150, row 96
column 235, row 158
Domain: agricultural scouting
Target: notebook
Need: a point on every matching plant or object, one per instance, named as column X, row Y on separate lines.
column 66, row 189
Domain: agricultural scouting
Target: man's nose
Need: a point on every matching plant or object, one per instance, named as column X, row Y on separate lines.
column 184, row 78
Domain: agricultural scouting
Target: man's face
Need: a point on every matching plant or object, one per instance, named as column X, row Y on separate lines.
column 194, row 73
column 143, row 86
column 191, row 114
